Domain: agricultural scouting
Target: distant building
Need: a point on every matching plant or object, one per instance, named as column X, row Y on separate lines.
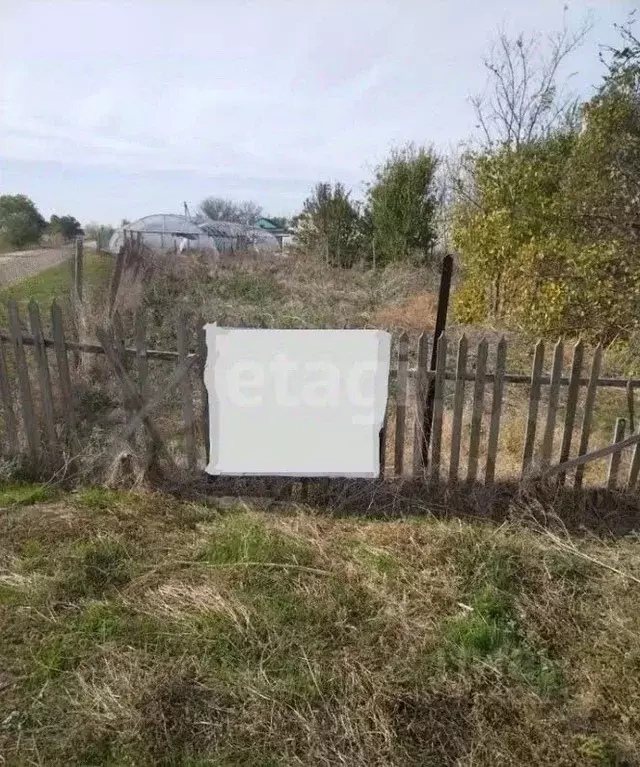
column 282, row 234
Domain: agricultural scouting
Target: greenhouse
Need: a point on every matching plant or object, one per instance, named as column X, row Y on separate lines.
column 170, row 232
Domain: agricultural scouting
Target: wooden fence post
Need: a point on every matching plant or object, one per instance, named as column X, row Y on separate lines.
column 458, row 409
column 587, row 417
column 441, row 323
column 438, row 407
column 477, row 410
column 401, row 402
column 24, row 387
column 534, row 402
column 496, row 412
column 572, row 402
column 552, row 409
column 614, row 461
column 420, row 393
column 10, row 424
column 44, row 377
column 186, row 393
column 78, row 268
column 64, row 378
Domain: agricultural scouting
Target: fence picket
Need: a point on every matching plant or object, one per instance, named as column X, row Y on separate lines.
column 9, row 418
column 614, row 461
column 496, row 412
column 587, row 418
column 458, row 409
column 552, row 409
column 477, row 410
column 186, row 393
column 202, row 361
column 44, row 376
column 438, row 407
column 572, row 402
column 420, row 394
column 24, row 386
column 401, row 403
column 534, row 403
column 64, row 377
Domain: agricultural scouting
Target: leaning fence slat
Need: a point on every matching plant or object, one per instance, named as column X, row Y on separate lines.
column 458, row 409
column 572, row 402
column 594, row 455
column 186, row 393
column 401, row 403
column 614, row 461
column 552, row 408
column 420, row 394
column 477, row 410
column 587, row 418
column 9, row 418
column 64, row 378
column 534, row 403
column 496, row 412
column 24, row 387
column 438, row 408
column 44, row 377
column 202, row 361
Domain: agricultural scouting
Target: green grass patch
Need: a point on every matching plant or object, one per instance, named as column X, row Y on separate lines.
column 24, row 494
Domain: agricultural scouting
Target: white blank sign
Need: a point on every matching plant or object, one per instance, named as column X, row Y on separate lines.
column 296, row 402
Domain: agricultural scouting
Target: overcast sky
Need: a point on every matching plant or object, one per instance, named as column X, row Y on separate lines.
column 121, row 109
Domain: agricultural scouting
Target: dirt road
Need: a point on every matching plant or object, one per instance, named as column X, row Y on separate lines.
column 25, row 263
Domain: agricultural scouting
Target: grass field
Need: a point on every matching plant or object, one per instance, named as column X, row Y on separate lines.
column 141, row 630
column 57, row 283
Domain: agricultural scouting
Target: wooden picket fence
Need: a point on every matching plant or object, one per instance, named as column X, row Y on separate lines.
column 40, row 378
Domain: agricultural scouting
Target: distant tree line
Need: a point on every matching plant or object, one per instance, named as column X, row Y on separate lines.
column 22, row 224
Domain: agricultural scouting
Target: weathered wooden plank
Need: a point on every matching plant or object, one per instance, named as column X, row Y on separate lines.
column 186, row 393
column 24, row 387
column 594, row 455
column 438, row 409
column 534, row 403
column 614, row 461
column 631, row 407
column 130, row 390
column 552, row 408
column 420, row 394
column 8, row 414
column 634, row 468
column 477, row 410
column 150, row 405
column 401, row 403
column 572, row 402
column 496, row 412
column 202, row 361
column 64, row 377
column 78, row 270
column 587, row 417
column 458, row 409
column 44, row 376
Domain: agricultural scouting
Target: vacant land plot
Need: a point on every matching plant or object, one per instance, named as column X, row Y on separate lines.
column 138, row 629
